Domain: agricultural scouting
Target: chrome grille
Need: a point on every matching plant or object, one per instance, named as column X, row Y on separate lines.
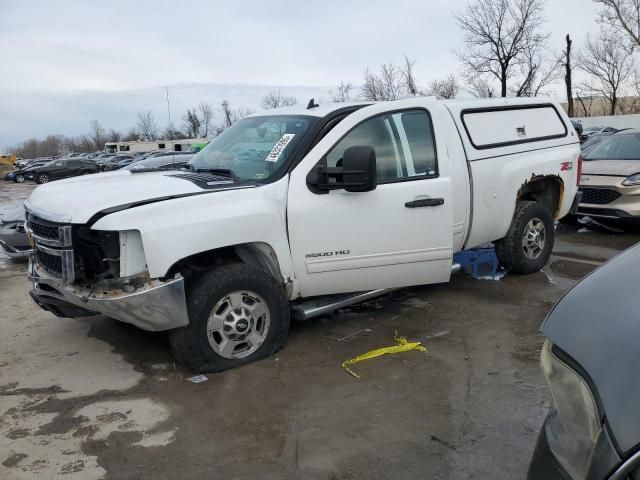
column 49, row 233
column 51, row 247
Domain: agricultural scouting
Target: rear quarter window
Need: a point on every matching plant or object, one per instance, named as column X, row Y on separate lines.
column 499, row 127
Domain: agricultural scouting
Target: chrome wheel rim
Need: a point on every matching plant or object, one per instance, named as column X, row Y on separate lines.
column 238, row 324
column 533, row 239
column 20, row 179
column 44, row 179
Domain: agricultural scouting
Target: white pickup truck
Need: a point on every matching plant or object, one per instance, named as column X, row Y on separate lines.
column 289, row 207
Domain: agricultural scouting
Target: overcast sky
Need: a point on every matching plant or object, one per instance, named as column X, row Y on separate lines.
column 67, row 62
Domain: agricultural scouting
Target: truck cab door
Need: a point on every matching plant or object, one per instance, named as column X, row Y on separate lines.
column 398, row 234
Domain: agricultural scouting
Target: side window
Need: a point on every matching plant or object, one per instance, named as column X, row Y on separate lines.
column 420, row 146
column 403, row 142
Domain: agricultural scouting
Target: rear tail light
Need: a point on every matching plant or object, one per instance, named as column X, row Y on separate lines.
column 579, row 170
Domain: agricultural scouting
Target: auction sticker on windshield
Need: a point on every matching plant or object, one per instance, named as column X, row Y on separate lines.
column 279, row 147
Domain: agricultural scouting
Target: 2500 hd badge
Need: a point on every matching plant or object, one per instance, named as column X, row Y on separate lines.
column 327, row 254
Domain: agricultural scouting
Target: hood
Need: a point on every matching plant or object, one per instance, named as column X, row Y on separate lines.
column 598, row 324
column 78, row 199
column 613, row 168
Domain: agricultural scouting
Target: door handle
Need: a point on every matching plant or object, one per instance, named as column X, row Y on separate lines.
column 425, row 202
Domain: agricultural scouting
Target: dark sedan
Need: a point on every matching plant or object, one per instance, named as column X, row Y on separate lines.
column 20, row 175
column 62, row 168
column 590, row 360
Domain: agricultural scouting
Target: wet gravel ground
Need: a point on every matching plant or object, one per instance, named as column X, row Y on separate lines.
column 99, row 399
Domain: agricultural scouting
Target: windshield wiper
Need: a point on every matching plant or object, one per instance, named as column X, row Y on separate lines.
column 222, row 172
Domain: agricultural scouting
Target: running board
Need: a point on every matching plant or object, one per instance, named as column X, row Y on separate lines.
column 322, row 305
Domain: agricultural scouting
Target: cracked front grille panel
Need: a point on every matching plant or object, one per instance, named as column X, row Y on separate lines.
column 51, row 263
column 598, row 196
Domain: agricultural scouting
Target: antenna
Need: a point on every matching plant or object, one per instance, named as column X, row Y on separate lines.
column 173, row 158
column 312, row 104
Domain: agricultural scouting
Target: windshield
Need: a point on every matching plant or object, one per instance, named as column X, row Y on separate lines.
column 255, row 147
column 617, row 147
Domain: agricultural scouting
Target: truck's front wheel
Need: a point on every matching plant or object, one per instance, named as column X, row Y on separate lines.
column 528, row 244
column 237, row 314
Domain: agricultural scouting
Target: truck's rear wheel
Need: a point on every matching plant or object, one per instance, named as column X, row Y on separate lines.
column 529, row 242
column 237, row 314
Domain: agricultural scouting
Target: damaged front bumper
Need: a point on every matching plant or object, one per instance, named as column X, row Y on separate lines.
column 155, row 306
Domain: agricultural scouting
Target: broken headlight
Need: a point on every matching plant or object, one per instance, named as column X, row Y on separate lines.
column 577, row 413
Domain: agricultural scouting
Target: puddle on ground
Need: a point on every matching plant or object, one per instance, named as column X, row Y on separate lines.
column 571, row 269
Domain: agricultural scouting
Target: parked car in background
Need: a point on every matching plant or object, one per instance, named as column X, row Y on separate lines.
column 595, row 139
column 13, row 237
column 590, row 131
column 20, row 175
column 610, row 180
column 111, row 162
column 590, row 360
column 61, row 168
column 123, row 161
column 162, row 162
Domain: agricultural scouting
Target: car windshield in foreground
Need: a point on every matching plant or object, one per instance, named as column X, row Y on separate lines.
column 624, row 146
column 254, row 147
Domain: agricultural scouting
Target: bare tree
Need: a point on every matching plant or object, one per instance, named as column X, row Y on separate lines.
column 479, row 87
column 609, row 66
column 568, row 70
column 147, row 126
column 387, row 85
column 113, row 136
column 227, row 114
column 497, row 35
column 172, row 133
column 131, row 136
column 342, row 92
column 537, row 73
column 97, row 134
column 275, row 99
column 408, row 76
column 444, row 88
column 192, row 123
column 585, row 103
column 623, row 16
column 206, row 112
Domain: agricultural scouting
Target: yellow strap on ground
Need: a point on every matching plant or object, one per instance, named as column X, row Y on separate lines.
column 403, row 346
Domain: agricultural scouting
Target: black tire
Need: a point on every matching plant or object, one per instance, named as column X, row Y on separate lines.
column 511, row 249
column 42, row 178
column 191, row 344
column 19, row 178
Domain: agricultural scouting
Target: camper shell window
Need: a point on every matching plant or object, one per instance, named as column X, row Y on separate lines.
column 512, row 125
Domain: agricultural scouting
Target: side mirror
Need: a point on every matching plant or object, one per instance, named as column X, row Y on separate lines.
column 357, row 173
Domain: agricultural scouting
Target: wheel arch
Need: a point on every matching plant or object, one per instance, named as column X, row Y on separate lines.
column 257, row 254
column 545, row 189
